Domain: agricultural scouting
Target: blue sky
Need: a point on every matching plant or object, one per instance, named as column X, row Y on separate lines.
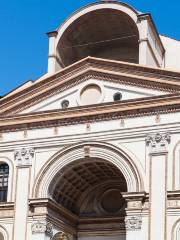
column 23, row 24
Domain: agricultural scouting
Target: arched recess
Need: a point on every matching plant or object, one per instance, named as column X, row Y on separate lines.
column 83, row 151
column 176, row 167
column 176, row 231
column 7, row 161
column 3, row 234
column 114, row 21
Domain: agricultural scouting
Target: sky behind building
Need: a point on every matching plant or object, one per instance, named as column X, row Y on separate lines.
column 23, row 24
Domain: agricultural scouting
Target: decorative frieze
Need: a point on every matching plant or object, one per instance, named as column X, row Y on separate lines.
column 158, row 142
column 133, row 223
column 42, row 227
column 24, row 156
column 134, row 204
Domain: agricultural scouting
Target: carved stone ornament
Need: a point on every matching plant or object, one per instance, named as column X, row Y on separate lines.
column 133, row 223
column 24, row 156
column 134, row 204
column 42, row 227
column 87, row 151
column 61, row 236
column 158, row 142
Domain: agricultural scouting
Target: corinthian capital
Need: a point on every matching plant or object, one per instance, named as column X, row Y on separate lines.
column 42, row 227
column 24, row 156
column 158, row 142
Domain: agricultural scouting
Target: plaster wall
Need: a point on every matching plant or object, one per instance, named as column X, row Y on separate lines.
column 172, row 55
column 150, row 58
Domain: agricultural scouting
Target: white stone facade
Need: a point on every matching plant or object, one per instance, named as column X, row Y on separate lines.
column 106, row 170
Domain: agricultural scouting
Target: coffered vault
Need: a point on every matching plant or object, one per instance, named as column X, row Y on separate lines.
column 79, row 181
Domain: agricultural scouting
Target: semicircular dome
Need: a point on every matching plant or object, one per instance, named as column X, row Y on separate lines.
column 103, row 33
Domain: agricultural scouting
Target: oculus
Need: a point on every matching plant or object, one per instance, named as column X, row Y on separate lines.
column 65, row 104
column 91, row 94
column 117, row 96
column 112, row 201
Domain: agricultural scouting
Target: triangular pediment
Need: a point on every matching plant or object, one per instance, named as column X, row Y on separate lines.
column 81, row 83
column 103, row 91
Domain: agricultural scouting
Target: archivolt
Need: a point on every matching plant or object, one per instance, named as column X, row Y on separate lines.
column 176, row 231
column 104, row 151
column 3, row 234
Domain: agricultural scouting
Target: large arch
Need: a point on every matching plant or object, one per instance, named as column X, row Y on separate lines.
column 90, row 181
column 113, row 20
column 176, row 167
column 103, row 151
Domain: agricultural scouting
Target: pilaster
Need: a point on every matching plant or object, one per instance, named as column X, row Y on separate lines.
column 158, row 153
column 23, row 158
column 134, row 217
column 52, row 52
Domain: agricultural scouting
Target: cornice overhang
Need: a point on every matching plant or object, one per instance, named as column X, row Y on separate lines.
column 108, row 70
column 50, row 205
column 87, row 114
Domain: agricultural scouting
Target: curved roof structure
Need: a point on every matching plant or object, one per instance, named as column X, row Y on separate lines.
column 106, row 29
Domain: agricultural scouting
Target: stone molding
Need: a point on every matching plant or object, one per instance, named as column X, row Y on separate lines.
column 133, row 223
column 24, row 156
column 42, row 227
column 87, row 65
column 135, row 200
column 103, row 112
column 158, row 142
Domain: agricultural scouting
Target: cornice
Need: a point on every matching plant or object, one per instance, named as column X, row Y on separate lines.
column 106, row 70
column 51, row 204
column 87, row 114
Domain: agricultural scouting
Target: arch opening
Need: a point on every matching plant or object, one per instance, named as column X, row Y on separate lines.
column 88, row 183
column 104, row 33
column 90, row 188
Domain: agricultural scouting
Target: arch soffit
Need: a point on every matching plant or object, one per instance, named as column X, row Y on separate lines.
column 107, row 152
column 175, row 159
column 132, row 13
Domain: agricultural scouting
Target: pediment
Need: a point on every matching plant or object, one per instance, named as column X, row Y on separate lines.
column 107, row 77
column 90, row 92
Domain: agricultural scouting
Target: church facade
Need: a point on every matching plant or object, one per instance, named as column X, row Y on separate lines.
column 91, row 150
